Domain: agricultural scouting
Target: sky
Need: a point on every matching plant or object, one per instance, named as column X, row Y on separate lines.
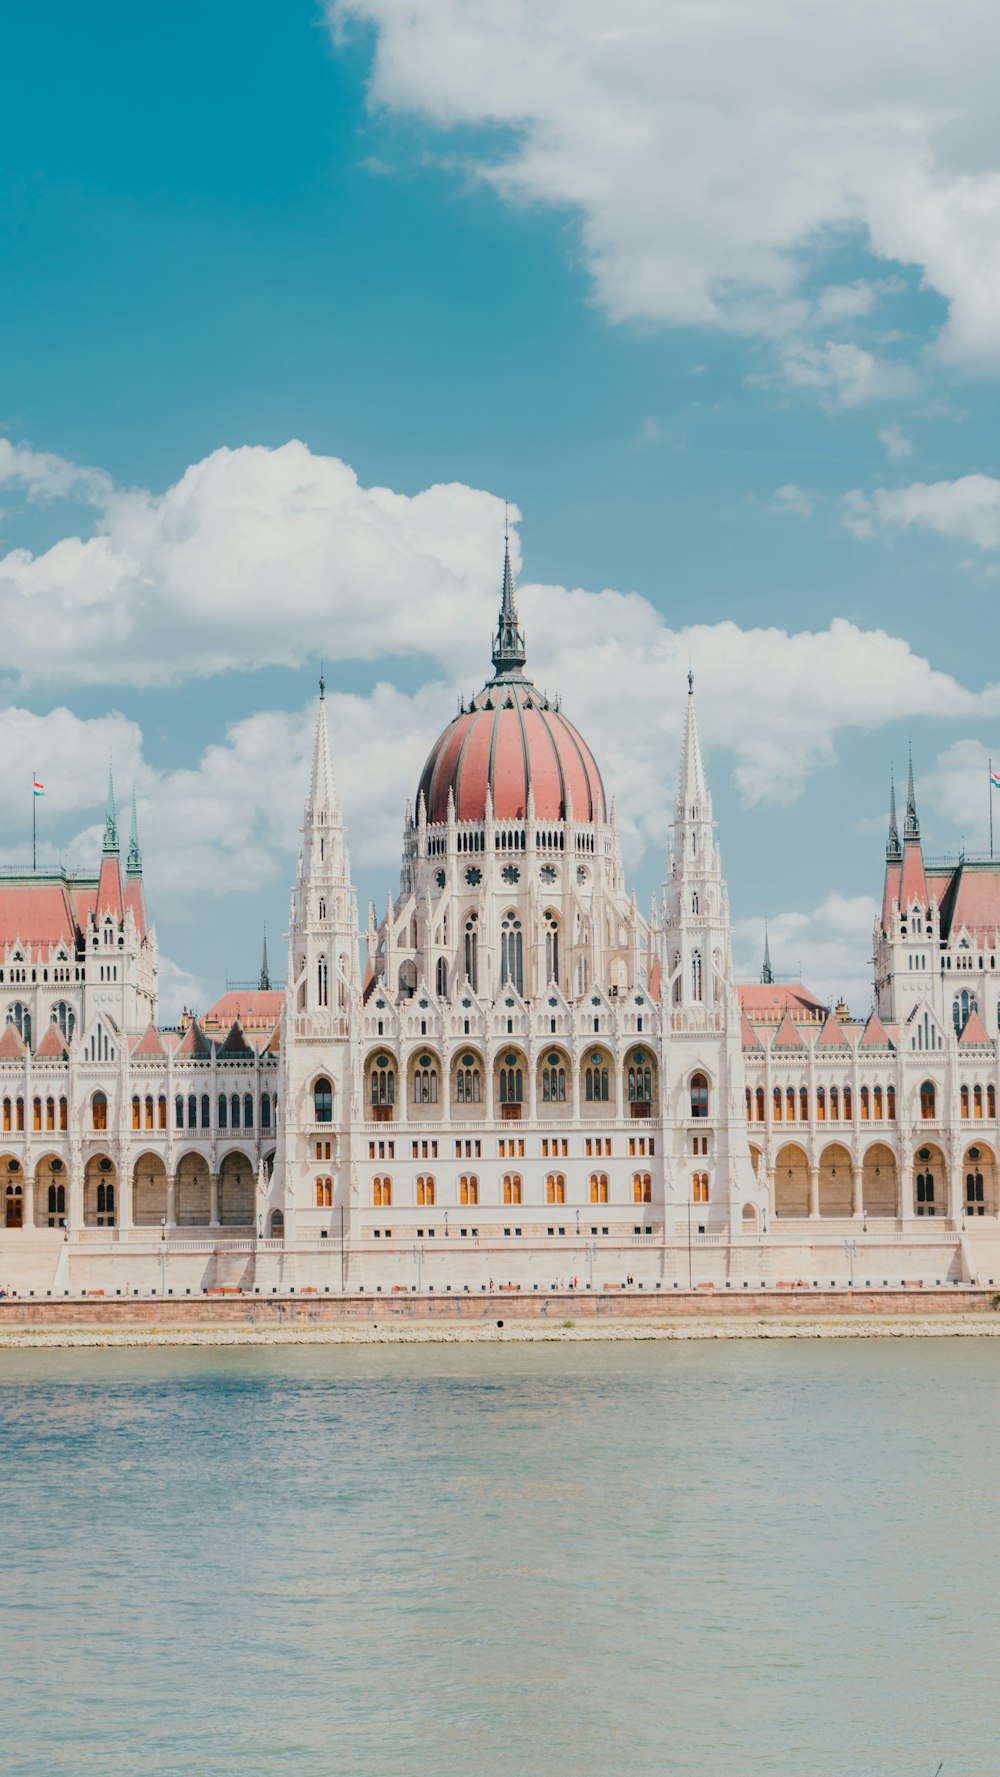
column 293, row 298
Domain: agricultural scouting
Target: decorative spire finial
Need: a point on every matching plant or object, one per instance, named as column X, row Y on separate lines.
column 133, row 865
column 690, row 683
column 911, row 828
column 110, row 819
column 508, row 645
column 767, row 974
column 264, row 985
column 322, row 684
column 893, row 850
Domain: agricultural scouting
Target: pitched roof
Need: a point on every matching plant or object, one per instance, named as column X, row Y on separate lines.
column 255, row 1009
column 194, row 1043
column 149, row 1043
column 748, row 1035
column 11, row 1046
column 833, row 1035
column 53, row 1045
column 37, row 913
column 110, row 898
column 770, row 999
column 876, row 1036
column 974, row 1033
column 273, row 1047
column 786, row 1036
column 235, row 1046
column 654, row 980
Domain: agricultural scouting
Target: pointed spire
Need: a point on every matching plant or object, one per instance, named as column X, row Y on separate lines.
column 322, row 789
column 508, row 645
column 767, row 973
column 133, row 866
column 693, row 800
column 911, row 829
column 264, row 983
column 110, row 820
column 893, row 850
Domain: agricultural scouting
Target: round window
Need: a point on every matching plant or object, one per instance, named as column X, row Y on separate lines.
column 511, row 873
column 468, row 1061
column 639, row 1057
column 553, row 1060
column 547, row 873
column 511, row 1059
column 473, row 875
column 383, row 1061
column 426, row 1061
column 440, row 878
column 596, row 1058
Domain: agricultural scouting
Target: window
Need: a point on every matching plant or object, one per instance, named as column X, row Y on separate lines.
column 991, row 1103
column 383, row 1086
column 105, row 1198
column 848, row 1110
column 699, row 1095
column 20, row 1018
column 442, row 978
column 324, row 1193
column 472, row 952
column 136, row 1114
column 803, row 1104
column 223, row 1110
column 98, row 1095
column 323, row 1101
column 65, row 1017
column 468, row 1188
column 696, row 975
column 964, row 1100
column 834, row 1104
column 98, row 1111
column 192, row 1110
column 382, row 1193
column 877, row 1106
column 640, row 1079
column 595, row 1079
column 790, row 1104
column 551, row 947
column 468, row 1089
column 555, row 1188
column 759, row 1103
column 511, row 1188
column 699, row 1187
column 425, row 1081
column 63, row 1113
column 553, row 1081
column 975, row 1204
column 927, row 1102
column 6, row 1116
column 206, row 1111
column 865, row 1104
column 36, row 1113
column 265, row 1110
column 963, row 1004
column 50, row 1113
column 749, row 1104
column 820, row 1104
column 161, row 1112
column 511, row 953
column 776, row 1112
column 511, row 1082
column 425, row 1191
column 977, row 1101
column 149, row 1113
column 642, row 1187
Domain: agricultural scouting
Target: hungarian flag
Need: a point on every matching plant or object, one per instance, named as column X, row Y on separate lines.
column 39, row 789
column 994, row 779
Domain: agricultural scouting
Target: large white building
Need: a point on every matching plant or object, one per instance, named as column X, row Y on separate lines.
column 530, row 1079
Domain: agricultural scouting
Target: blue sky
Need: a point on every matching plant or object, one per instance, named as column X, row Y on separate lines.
column 740, row 367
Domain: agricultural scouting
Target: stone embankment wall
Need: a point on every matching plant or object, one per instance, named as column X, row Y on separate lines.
column 554, row 1306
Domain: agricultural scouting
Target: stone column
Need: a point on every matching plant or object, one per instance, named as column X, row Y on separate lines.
column 171, row 1199
column 74, row 1194
column 813, row 1191
column 576, row 1064
column 532, row 1086
column 446, row 1089
column 857, row 1189
column 402, row 1098
column 619, row 1090
column 124, row 1216
column 29, row 1198
column 490, row 1106
column 955, row 1189
column 213, row 1199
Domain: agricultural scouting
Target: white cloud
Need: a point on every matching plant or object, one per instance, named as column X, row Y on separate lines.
column 716, row 154
column 791, row 498
column 967, row 510
column 956, row 791
column 845, row 375
column 895, row 442
column 650, row 432
column 45, row 477
column 826, row 947
column 178, row 991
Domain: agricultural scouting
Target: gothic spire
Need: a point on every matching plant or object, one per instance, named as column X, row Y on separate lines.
column 264, row 983
column 767, row 973
column 133, row 866
column 893, row 850
column 508, row 645
column 693, row 801
column 110, row 820
column 322, row 789
column 911, row 829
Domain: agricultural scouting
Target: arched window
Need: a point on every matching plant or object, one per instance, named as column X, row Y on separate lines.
column 323, row 1101
column 36, row 1113
column 57, row 1200
column 178, row 1112
column 98, row 1111
column 511, row 1083
column 640, row 1079
column 50, row 1113
column 749, row 1101
column 425, row 1191
column 511, row 1188
column 555, row 1188
column 977, row 1101
column 925, row 1193
column 551, row 947
column 877, row 1107
column 105, row 1198
column 234, row 1111
column 834, row 1104
column 694, row 903
column 776, row 1106
column 161, row 1112
column 324, row 1193
column 790, row 1104
column 865, row 1104
column 442, row 978
column 642, row 1188
column 149, row 1113
column 991, row 1103
column 206, row 1111
column 699, row 1095
column 927, row 1101
column 598, row 1187
column 595, row 1079
column 803, row 1104
column 65, row 1017
column 468, row 1084
column 382, row 1193
column 472, row 951
column 265, row 1110
column 20, row 1017
column 975, row 1191
column 383, row 1084
column 699, row 1187
column 963, row 1005
column 821, row 1104
column 192, row 1111
column 759, row 1103
column 136, row 1114
column 964, row 1100
column 425, row 1081
column 696, row 984
column 322, row 982
column 223, row 1110
column 511, row 953
column 468, row 1188
column 247, row 1110
column 848, row 1110
column 19, row 1107
column 64, row 1113
column 553, row 1081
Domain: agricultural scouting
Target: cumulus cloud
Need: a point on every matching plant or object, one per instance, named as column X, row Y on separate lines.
column 844, row 374
column 791, row 498
column 42, row 476
column 826, row 947
column 894, row 442
column 716, row 154
column 967, row 510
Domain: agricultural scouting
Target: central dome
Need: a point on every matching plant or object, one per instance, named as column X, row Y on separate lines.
column 509, row 739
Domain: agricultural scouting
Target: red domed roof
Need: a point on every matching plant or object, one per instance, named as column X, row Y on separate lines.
column 511, row 736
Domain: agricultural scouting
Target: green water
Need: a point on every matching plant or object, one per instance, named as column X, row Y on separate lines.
column 590, row 1559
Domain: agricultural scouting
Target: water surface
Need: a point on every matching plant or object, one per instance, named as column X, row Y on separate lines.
column 563, row 1560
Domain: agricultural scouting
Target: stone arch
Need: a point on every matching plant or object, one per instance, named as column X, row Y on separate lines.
column 641, row 1081
column 51, row 1191
column 468, row 1080
column 236, row 1190
column 554, row 1081
column 276, row 1225
column 791, row 1183
column 381, row 1085
column 423, row 1085
column 835, row 1180
column 149, row 1191
column 510, row 1081
column 879, row 1181
column 100, row 1177
column 597, row 1081
column 749, row 1219
column 979, row 1180
column 12, row 1194
column 928, row 1183
column 193, row 1207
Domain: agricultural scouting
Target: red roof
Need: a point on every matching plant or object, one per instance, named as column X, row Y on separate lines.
column 913, row 886
column 109, row 889
column 876, row 1036
column 149, row 1043
column 786, row 1036
column 11, row 1046
column 977, row 904
column 52, row 1046
column 833, row 1035
column 890, row 892
column 748, row 1035
column 770, row 999
column 37, row 913
column 974, row 1033
column 512, row 738
column 256, row 1010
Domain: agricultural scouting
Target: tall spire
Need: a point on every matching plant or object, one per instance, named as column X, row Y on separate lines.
column 264, row 983
column 110, row 820
column 322, row 789
column 767, row 973
column 133, row 866
column 508, row 645
column 893, row 849
column 911, row 829
column 693, row 800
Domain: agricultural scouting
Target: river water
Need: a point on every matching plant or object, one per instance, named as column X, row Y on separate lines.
column 569, row 1560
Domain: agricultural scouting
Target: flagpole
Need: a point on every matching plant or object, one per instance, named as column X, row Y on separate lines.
column 34, row 825
column 991, row 808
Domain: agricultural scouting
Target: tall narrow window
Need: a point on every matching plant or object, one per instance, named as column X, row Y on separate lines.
column 99, row 1111
column 551, row 947
column 595, row 1080
column 323, row 1101
column 472, row 952
column 927, row 1101
column 322, row 982
column 442, row 978
column 234, row 1111
column 642, row 1187
column 425, row 1191
column 511, row 1188
column 699, row 1187
column 696, row 975
column 468, row 1081
column 699, row 1095
column 598, row 1187
column 511, row 953
column 555, row 1188
column 223, row 1110
column 468, row 1188
column 553, row 1081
